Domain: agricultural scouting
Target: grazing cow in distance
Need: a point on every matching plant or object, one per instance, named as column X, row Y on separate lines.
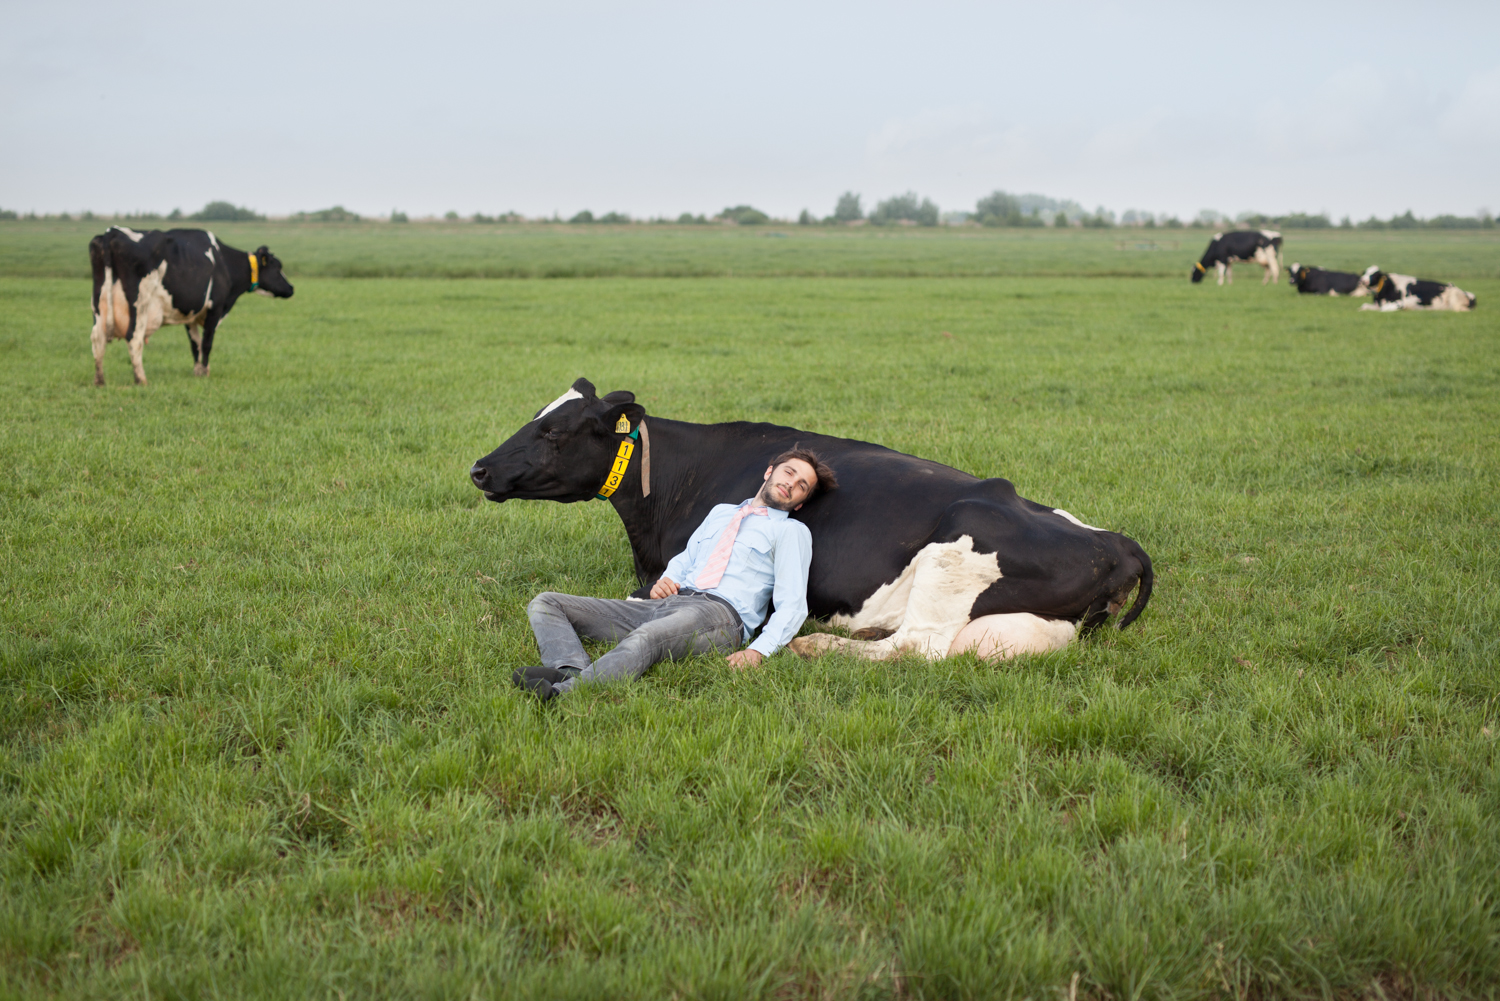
column 910, row 554
column 1263, row 246
column 143, row 281
column 1316, row 281
column 1393, row 292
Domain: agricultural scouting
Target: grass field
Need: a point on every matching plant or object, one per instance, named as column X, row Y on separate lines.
column 257, row 737
column 51, row 249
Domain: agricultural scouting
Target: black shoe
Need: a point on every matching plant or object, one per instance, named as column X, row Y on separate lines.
column 551, row 675
column 540, row 687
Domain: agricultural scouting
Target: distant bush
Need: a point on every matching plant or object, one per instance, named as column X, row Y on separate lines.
column 848, row 208
column 1301, row 220
column 1172, row 222
column 806, row 219
column 744, row 215
column 1001, row 209
column 398, row 216
column 1099, row 220
column 174, row 215
column 905, row 208
column 451, row 216
column 336, row 214
column 8, row 215
column 226, row 212
column 688, row 219
column 1459, row 222
column 503, row 217
column 583, row 218
column 614, row 218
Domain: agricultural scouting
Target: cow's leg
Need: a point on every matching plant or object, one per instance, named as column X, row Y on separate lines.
column 99, row 335
column 210, row 327
column 137, row 348
column 938, row 589
column 996, row 637
column 195, row 342
column 1219, row 267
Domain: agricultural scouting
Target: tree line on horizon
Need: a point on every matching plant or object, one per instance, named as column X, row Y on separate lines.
column 997, row 209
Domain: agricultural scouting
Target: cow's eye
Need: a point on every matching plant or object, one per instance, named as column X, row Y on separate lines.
column 551, row 434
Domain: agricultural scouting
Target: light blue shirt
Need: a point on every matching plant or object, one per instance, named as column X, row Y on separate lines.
column 771, row 554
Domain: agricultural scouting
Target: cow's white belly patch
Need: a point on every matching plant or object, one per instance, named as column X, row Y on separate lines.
column 928, row 606
column 930, row 602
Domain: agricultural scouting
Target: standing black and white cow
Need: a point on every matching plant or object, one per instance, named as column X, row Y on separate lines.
column 143, row 281
column 910, row 554
column 1393, row 292
column 1316, row 281
column 1263, row 246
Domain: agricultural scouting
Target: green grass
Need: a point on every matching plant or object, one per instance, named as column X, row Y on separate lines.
column 50, row 249
column 257, row 737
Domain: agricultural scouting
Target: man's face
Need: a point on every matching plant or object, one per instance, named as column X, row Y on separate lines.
column 788, row 485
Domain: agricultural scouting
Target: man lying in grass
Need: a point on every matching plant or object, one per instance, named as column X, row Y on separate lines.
column 738, row 559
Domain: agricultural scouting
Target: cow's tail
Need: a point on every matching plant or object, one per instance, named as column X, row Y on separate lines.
column 1143, row 593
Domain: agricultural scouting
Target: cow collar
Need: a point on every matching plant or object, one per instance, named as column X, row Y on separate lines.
column 1381, row 285
column 254, row 273
column 1200, row 267
column 622, row 463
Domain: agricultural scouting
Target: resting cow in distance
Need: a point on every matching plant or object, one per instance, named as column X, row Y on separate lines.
column 1393, row 292
column 1316, row 281
column 143, row 281
column 1263, row 246
column 909, row 554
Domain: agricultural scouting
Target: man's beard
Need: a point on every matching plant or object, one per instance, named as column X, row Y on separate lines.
column 769, row 499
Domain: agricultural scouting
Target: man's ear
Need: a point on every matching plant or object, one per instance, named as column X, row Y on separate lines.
column 632, row 412
column 768, row 473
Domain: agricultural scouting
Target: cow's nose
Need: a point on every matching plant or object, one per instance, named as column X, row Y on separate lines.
column 478, row 473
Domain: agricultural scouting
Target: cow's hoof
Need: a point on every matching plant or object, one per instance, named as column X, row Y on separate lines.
column 872, row 633
column 200, row 370
column 98, row 380
column 814, row 644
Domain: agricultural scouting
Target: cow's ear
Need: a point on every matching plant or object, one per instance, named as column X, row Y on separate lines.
column 619, row 396
column 633, row 413
column 584, row 388
column 262, row 251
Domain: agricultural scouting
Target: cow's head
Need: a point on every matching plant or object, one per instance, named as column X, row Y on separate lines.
column 1198, row 272
column 1374, row 279
column 565, row 452
column 1294, row 274
column 272, row 282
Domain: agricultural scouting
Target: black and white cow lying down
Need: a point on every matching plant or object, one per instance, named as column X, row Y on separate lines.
column 143, row 281
column 1316, row 281
column 1263, row 246
column 909, row 554
column 1393, row 292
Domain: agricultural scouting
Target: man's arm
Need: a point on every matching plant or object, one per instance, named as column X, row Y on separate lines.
column 793, row 558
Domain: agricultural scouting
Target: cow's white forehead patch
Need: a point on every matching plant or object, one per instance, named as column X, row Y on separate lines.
column 134, row 236
column 571, row 394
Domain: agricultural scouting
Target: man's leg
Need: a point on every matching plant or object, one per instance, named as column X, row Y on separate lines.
column 677, row 627
column 559, row 620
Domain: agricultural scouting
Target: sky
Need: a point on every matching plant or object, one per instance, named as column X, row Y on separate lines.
column 655, row 109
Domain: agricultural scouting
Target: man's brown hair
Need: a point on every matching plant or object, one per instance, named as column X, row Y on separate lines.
column 826, row 479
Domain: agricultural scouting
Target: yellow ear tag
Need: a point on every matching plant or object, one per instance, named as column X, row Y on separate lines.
column 622, row 426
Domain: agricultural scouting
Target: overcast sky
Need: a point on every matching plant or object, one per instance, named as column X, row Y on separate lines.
column 661, row 108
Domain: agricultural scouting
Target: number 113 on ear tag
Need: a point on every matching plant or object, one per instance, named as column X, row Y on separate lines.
column 622, row 426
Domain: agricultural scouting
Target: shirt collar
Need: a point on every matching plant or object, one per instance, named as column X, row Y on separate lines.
column 771, row 512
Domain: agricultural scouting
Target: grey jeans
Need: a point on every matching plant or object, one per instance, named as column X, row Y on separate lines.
column 645, row 632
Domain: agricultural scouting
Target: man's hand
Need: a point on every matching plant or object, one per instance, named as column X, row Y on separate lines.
column 663, row 588
column 741, row 659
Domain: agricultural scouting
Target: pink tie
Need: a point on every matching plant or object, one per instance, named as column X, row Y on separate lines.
column 718, row 560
